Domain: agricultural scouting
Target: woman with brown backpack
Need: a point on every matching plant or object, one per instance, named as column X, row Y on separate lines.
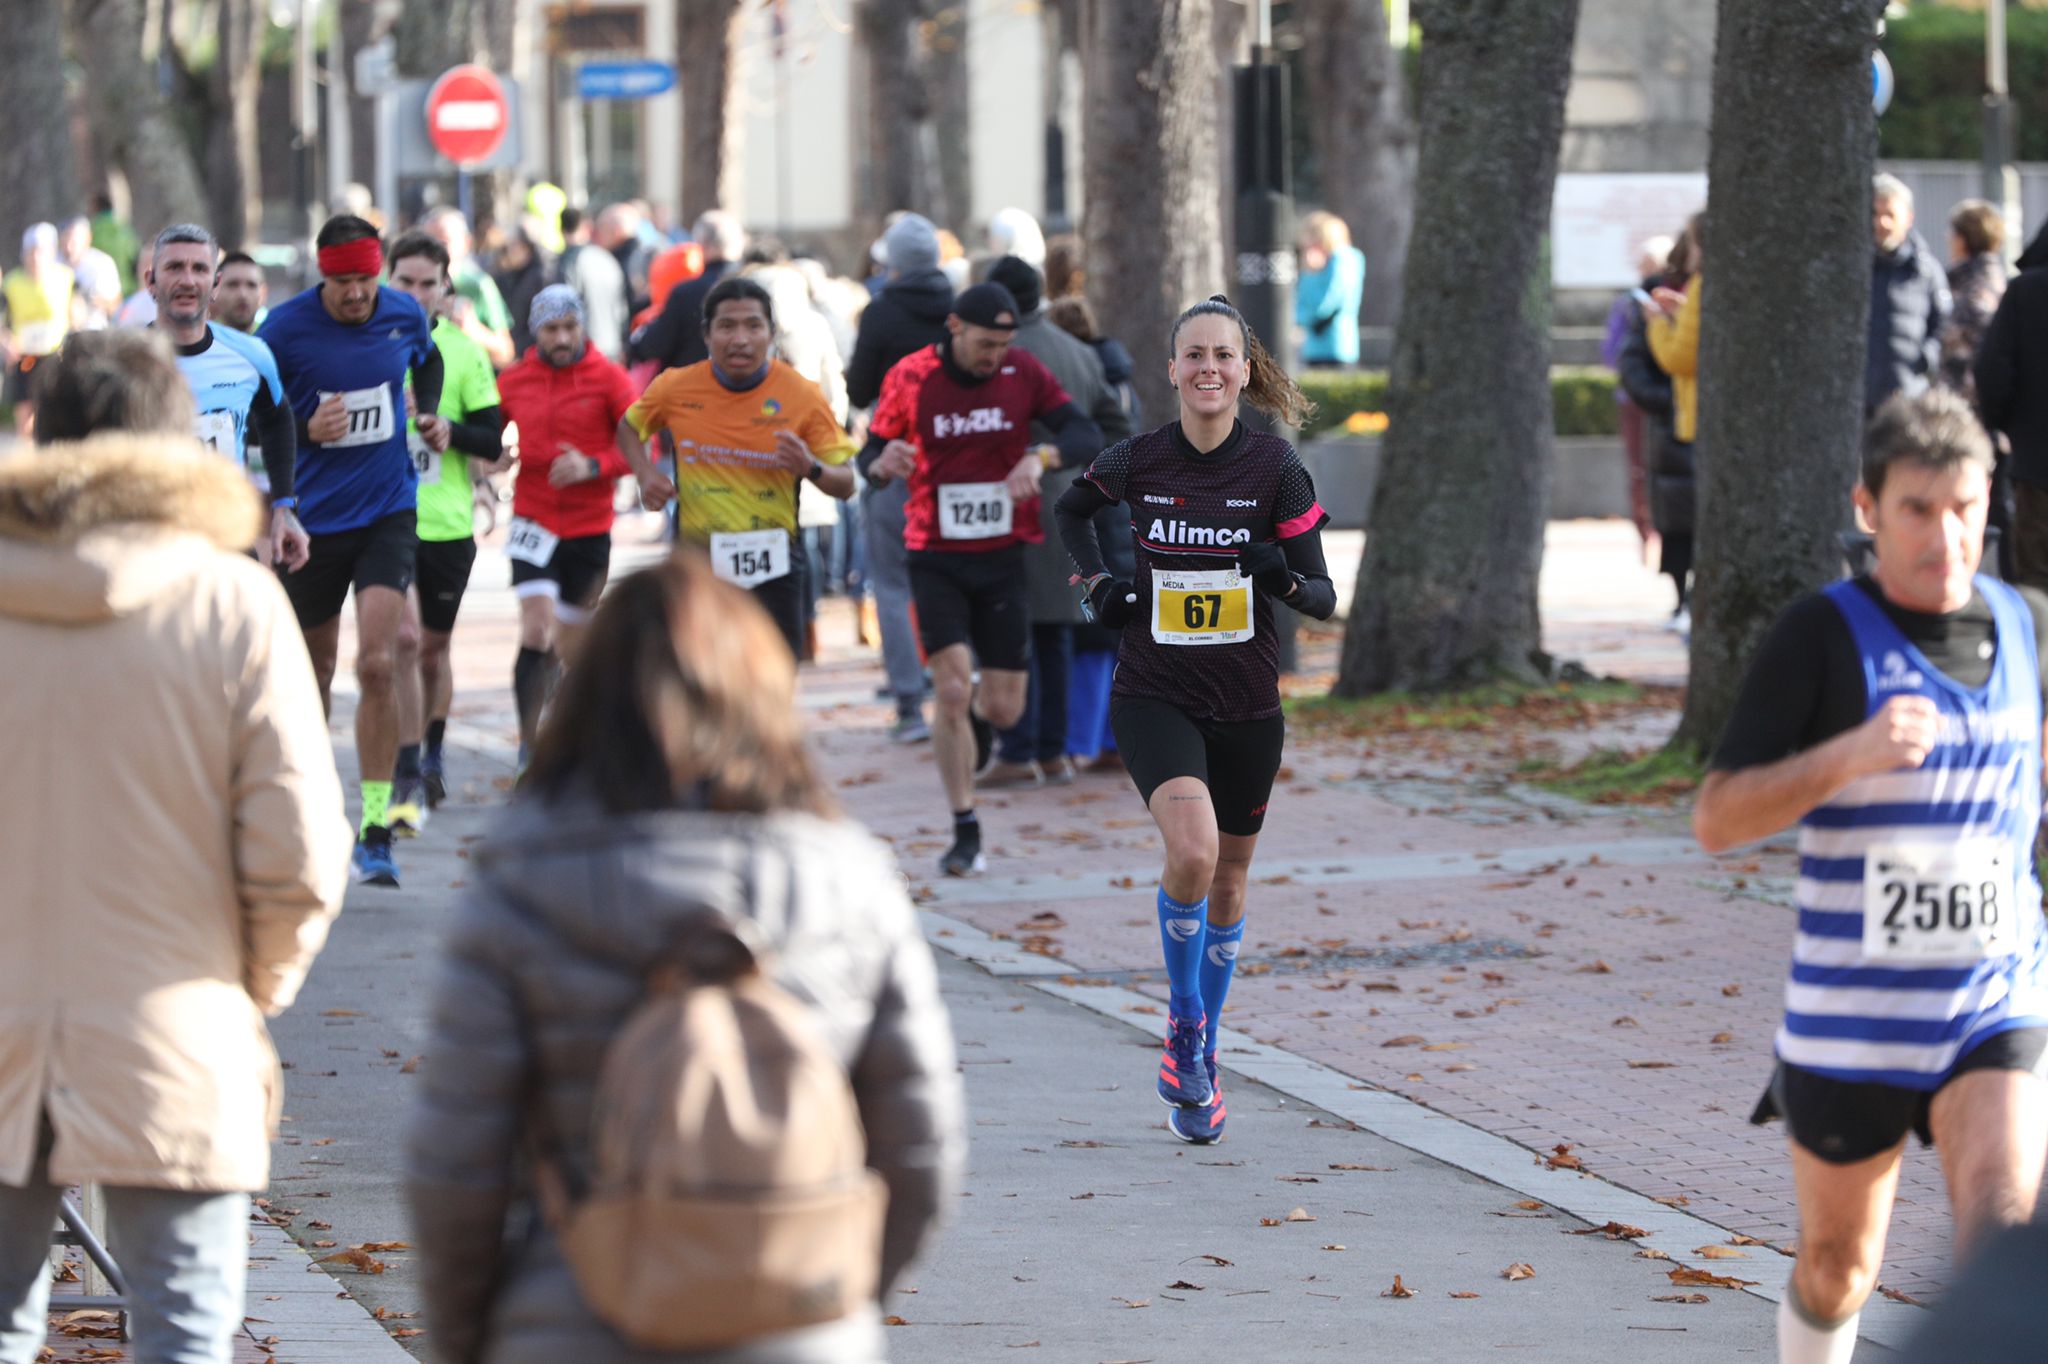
column 691, row 1092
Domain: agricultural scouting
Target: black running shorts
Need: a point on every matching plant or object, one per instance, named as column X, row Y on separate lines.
column 1236, row 759
column 1843, row 1122
column 574, row 574
column 783, row 599
column 381, row 554
column 443, row 576
column 983, row 600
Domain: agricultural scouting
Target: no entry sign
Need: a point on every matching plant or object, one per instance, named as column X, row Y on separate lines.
column 467, row 114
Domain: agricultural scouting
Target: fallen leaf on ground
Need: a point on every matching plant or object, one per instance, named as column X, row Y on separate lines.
column 1300, row 1215
column 1731, row 990
column 1748, row 1241
column 1528, row 1205
column 1382, row 1169
column 1597, row 968
column 1518, row 1270
column 1722, row 1037
column 1333, row 1247
column 1133, row 1302
column 1217, row 1260
column 1405, row 1040
column 1680, row 1297
column 1464, row 1295
column 1897, row 1296
column 1674, row 1201
column 1185, row 1286
column 356, row 1258
column 1445, row 1046
column 1651, row 1065
column 1561, row 1158
column 894, row 1321
column 1700, row 1278
column 1626, row 1022
column 1613, row 1231
column 1269, row 1221
column 1399, row 1290
column 1718, row 1253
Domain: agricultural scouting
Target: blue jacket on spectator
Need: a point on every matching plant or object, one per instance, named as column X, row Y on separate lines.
column 1326, row 308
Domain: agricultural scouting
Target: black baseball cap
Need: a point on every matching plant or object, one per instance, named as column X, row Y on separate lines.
column 988, row 305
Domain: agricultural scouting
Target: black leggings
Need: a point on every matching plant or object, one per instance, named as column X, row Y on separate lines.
column 1236, row 759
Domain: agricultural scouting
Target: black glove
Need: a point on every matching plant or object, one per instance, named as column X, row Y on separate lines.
column 1112, row 603
column 1266, row 566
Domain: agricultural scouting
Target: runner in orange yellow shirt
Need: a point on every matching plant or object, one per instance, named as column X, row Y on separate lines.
column 749, row 431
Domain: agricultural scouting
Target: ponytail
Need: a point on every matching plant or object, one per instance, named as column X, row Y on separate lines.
column 1267, row 387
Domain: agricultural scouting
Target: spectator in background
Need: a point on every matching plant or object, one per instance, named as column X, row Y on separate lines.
column 670, row 796
column 676, row 336
column 595, row 275
column 1672, row 327
column 2013, row 403
column 139, row 308
column 112, row 234
column 1976, row 282
column 158, row 665
column 1013, row 232
column 908, row 315
column 96, row 296
column 523, row 269
column 35, row 315
column 618, row 231
column 1331, row 290
column 479, row 308
column 1073, row 316
column 1625, row 319
column 1065, row 276
column 1909, row 300
column 544, row 205
column 241, row 294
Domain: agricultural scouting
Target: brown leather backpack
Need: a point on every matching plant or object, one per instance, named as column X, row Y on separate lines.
column 729, row 1196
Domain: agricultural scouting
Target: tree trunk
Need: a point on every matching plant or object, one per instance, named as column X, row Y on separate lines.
column 234, row 186
column 707, row 44
column 1152, row 211
column 360, row 27
column 428, row 39
column 1232, row 34
column 36, row 162
column 1788, row 238
column 130, row 120
column 1364, row 139
column 951, row 128
column 501, row 24
column 1447, row 589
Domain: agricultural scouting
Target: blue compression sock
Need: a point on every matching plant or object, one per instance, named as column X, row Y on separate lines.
column 1219, row 963
column 1180, row 937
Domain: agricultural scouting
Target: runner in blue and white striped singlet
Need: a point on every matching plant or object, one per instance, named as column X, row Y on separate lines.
column 1897, row 721
column 1882, row 1001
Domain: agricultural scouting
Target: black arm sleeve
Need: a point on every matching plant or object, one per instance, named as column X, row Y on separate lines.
column 1798, row 690
column 659, row 338
column 426, row 381
column 1077, row 437
column 1075, row 513
column 1997, row 363
column 1318, row 595
column 276, row 432
column 865, row 460
column 482, row 436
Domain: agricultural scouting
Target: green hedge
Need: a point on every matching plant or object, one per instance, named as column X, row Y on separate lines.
column 1583, row 397
column 1937, row 53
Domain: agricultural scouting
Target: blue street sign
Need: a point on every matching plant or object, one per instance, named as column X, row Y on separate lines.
column 1882, row 85
column 624, row 80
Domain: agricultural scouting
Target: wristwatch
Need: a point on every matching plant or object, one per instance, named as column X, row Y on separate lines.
column 284, row 504
column 1048, row 456
column 817, row 471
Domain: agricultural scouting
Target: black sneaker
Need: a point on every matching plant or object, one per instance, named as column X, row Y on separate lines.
column 964, row 858
column 435, row 775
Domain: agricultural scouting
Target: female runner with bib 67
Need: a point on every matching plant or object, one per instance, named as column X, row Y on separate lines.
column 1225, row 523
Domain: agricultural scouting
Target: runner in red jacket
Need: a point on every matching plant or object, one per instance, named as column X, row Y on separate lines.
column 567, row 400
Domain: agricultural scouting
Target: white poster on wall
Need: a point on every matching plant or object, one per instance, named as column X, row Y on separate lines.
column 1599, row 222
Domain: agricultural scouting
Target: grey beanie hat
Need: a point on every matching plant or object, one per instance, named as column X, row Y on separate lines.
column 912, row 244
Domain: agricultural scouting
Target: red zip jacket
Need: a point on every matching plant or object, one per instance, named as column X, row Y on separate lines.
column 578, row 406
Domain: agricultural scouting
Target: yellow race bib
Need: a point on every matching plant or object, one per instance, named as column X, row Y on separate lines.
column 1208, row 607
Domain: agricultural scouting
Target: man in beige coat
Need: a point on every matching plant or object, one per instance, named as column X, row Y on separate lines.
column 174, row 842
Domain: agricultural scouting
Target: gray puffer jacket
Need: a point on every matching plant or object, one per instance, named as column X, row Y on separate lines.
column 544, row 962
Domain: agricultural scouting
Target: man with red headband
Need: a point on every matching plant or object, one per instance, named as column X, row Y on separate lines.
column 344, row 349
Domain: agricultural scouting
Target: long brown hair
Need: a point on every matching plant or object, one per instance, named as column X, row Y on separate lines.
column 683, row 693
column 1267, row 387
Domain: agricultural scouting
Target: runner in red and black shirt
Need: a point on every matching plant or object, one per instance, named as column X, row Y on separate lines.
column 955, row 419
column 1226, row 523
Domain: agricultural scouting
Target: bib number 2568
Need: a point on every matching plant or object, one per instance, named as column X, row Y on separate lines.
column 1938, row 903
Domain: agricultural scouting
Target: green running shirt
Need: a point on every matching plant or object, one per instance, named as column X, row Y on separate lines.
column 447, row 503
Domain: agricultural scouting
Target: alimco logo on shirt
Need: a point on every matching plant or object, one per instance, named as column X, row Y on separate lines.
column 979, row 421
